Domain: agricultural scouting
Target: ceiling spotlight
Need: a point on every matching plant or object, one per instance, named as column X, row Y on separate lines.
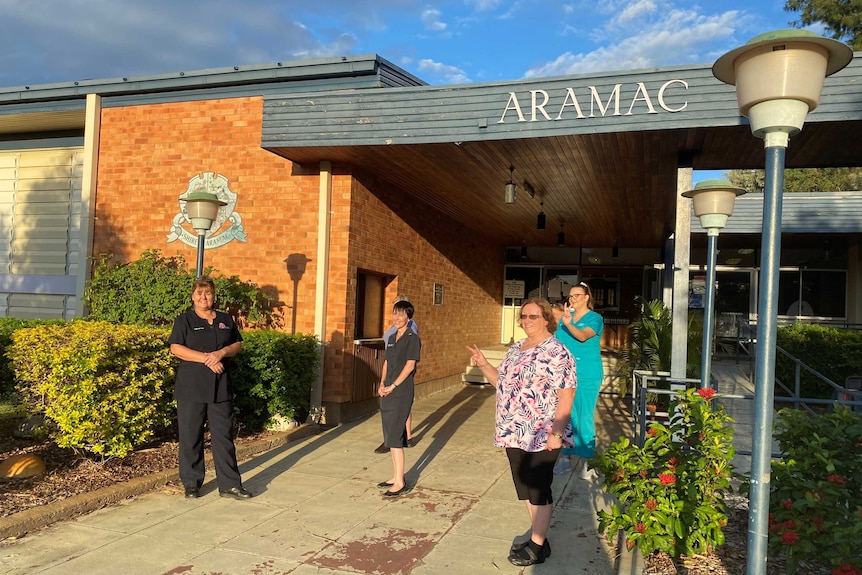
column 529, row 189
column 509, row 195
column 540, row 219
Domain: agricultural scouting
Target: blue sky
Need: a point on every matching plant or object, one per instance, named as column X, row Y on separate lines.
column 458, row 41
column 46, row 41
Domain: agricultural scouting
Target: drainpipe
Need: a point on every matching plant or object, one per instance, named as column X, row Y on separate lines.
column 92, row 129
column 315, row 413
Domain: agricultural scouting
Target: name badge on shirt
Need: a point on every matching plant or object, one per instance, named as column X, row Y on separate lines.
column 197, row 328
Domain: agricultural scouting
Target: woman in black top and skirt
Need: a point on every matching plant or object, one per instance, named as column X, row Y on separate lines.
column 396, row 392
column 204, row 339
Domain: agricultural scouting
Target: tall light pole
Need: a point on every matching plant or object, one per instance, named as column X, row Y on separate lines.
column 779, row 77
column 202, row 209
column 713, row 204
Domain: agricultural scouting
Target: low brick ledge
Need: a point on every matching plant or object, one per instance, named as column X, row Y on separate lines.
column 28, row 520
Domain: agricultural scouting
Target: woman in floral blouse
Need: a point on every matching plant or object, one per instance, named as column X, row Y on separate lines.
column 535, row 388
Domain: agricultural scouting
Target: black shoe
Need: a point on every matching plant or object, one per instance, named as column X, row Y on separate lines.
column 192, row 492
column 546, row 547
column 382, row 449
column 401, row 491
column 525, row 556
column 410, row 442
column 383, row 484
column 236, row 493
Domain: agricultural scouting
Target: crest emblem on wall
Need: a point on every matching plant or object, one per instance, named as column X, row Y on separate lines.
column 217, row 184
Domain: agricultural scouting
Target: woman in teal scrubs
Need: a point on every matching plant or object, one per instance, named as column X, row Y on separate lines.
column 580, row 330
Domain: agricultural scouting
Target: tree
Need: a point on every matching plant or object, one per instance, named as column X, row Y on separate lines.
column 802, row 180
column 842, row 19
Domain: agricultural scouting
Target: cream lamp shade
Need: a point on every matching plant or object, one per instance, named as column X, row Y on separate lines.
column 713, row 202
column 779, row 77
column 202, row 209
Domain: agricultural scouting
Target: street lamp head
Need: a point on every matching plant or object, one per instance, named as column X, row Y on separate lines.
column 202, row 209
column 779, row 77
column 713, row 203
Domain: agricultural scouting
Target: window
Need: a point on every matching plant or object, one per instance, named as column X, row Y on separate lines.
column 370, row 304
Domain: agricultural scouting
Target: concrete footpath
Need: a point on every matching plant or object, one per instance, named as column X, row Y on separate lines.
column 317, row 510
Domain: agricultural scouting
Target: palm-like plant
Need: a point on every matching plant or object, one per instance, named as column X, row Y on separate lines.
column 651, row 343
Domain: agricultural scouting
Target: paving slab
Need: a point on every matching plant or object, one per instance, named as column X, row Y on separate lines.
column 317, row 509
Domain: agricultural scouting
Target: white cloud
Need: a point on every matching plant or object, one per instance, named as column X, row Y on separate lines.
column 431, row 20
column 443, row 72
column 635, row 10
column 678, row 37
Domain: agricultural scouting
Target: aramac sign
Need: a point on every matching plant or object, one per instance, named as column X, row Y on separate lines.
column 569, row 106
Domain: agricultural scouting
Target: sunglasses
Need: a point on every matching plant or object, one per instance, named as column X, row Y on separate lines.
column 531, row 316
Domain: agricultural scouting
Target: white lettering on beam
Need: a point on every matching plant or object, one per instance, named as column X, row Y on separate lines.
column 641, row 102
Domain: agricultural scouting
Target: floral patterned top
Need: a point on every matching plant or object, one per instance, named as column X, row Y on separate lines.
column 527, row 394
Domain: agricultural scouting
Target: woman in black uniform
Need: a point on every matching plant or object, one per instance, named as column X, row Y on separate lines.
column 204, row 339
column 396, row 392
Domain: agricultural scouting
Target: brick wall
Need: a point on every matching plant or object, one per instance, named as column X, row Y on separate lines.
column 395, row 234
column 149, row 153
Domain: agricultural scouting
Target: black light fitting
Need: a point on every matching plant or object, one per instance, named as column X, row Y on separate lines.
column 561, row 237
column 540, row 219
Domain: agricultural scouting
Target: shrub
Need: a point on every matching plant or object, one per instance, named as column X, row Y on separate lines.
column 670, row 492
column 815, row 507
column 832, row 351
column 273, row 375
column 8, row 325
column 105, row 387
column 154, row 289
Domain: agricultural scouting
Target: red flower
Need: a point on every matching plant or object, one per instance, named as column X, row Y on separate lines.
column 643, row 473
column 788, row 504
column 771, row 518
column 789, row 538
column 652, row 431
column 845, row 569
column 706, row 392
column 630, row 544
column 789, row 524
column 667, row 478
column 640, row 527
column 651, row 504
column 836, row 479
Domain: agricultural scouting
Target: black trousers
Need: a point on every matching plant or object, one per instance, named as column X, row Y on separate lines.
column 190, row 419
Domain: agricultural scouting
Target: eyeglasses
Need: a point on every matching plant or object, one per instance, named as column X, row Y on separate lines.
column 577, row 295
column 531, row 316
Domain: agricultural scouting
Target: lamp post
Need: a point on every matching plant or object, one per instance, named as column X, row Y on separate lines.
column 202, row 209
column 778, row 76
column 713, row 204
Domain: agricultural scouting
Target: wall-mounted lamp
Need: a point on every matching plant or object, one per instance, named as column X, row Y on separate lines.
column 509, row 195
column 561, row 237
column 529, row 189
column 540, row 219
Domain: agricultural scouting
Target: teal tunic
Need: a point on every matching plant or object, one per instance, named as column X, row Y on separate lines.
column 590, row 373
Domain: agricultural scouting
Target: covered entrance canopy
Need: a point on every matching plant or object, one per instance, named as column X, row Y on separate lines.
column 600, row 152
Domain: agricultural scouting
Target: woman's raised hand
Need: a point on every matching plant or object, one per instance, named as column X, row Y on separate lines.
column 477, row 357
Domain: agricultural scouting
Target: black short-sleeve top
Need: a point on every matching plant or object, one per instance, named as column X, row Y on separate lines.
column 399, row 352
column 195, row 381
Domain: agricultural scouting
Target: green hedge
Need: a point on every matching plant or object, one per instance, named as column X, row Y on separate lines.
column 105, row 387
column 8, row 325
column 834, row 352
column 273, row 375
column 108, row 388
column 154, row 289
